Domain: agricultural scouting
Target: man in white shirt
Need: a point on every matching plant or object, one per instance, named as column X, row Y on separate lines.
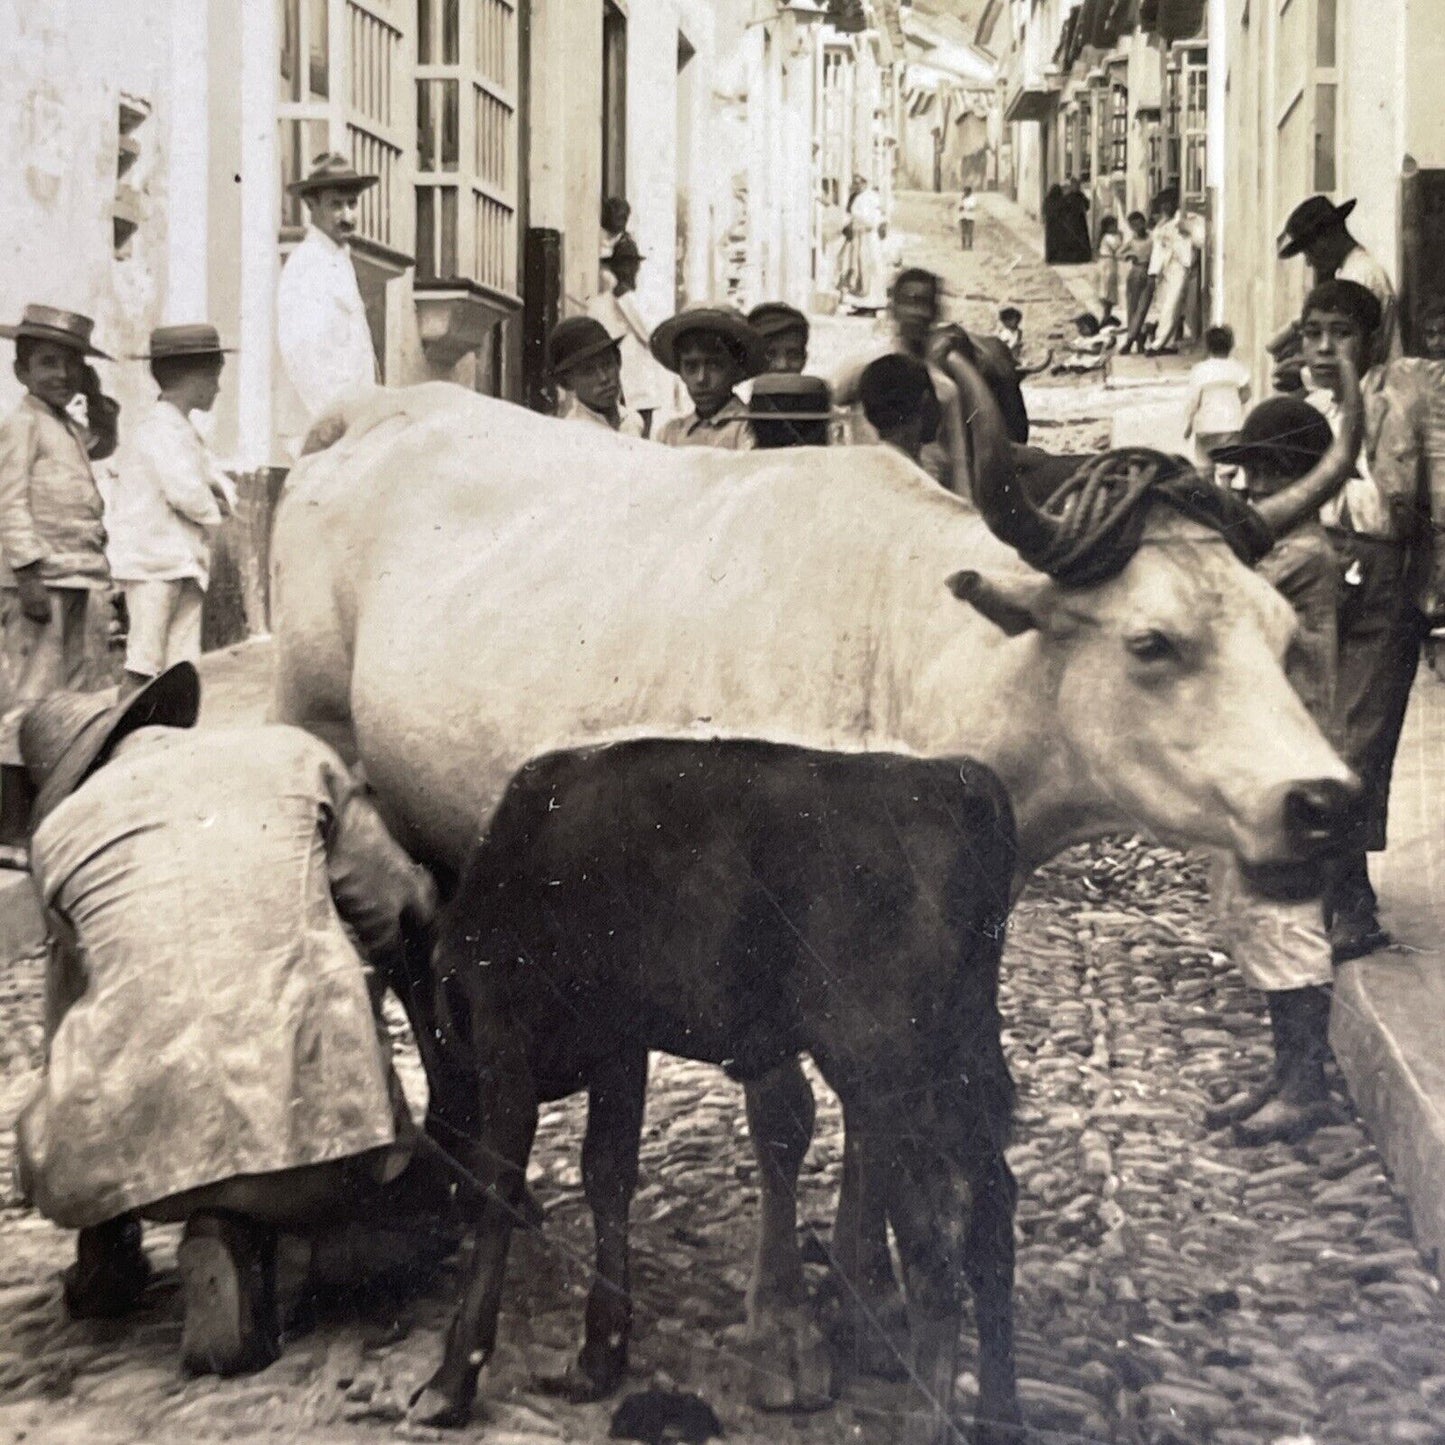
column 1316, row 230
column 321, row 328
column 169, row 498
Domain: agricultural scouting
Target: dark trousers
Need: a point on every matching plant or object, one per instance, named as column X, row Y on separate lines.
column 1380, row 632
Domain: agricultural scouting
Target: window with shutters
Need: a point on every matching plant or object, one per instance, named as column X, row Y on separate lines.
column 1194, row 126
column 1085, row 139
column 1119, row 128
column 343, row 88
column 466, row 117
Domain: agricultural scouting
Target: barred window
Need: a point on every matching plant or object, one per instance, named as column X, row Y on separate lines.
column 466, row 185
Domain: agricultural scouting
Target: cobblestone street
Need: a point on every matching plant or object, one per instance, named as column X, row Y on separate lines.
column 1172, row 1288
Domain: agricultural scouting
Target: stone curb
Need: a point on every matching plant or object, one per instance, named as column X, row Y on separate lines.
column 22, row 929
column 1383, row 1028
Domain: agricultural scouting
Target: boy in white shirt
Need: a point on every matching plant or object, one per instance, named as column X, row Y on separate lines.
column 1219, row 387
column 169, row 499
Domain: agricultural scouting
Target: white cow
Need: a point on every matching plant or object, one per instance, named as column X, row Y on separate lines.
column 460, row 586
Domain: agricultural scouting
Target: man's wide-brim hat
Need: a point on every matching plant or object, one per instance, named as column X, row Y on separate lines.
column 187, row 340
column 575, row 340
column 50, row 323
column 1308, row 221
column 728, row 326
column 1284, row 436
column 786, row 396
column 331, row 172
column 65, row 738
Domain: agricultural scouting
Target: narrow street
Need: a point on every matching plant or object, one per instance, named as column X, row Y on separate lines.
column 1172, row 1289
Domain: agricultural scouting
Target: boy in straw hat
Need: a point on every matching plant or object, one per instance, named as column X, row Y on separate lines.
column 216, row 1061
column 52, row 533
column 321, row 327
column 712, row 349
column 168, row 500
column 583, row 359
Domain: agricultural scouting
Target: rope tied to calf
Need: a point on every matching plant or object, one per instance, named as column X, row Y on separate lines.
column 1093, row 523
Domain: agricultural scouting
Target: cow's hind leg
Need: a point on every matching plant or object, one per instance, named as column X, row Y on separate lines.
column 616, row 1099
column 507, row 1123
column 989, row 1261
column 874, row 1317
column 791, row 1369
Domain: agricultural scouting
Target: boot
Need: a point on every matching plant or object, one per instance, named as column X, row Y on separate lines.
column 1351, row 908
column 110, row 1272
column 1246, row 1105
column 228, row 1279
column 1302, row 1102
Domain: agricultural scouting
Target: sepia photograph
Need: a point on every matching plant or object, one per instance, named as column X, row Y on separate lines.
column 516, row 934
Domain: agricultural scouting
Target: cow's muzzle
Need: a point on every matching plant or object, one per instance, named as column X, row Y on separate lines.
column 1320, row 818
column 1319, row 815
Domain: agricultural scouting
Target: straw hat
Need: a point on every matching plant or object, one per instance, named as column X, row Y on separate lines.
column 50, row 323
column 192, row 339
column 728, row 326
column 65, row 738
column 331, row 172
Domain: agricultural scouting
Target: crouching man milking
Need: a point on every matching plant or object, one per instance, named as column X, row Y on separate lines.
column 213, row 1052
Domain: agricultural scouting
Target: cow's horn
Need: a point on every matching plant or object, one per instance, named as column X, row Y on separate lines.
column 1006, row 506
column 1002, row 502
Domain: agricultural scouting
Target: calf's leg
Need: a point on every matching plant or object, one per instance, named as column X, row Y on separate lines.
column 617, row 1096
column 989, row 1262
column 792, row 1370
column 875, row 1319
column 928, row 1205
column 507, row 1123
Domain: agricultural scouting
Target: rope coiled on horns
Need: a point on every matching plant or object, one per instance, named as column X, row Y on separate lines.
column 1096, row 518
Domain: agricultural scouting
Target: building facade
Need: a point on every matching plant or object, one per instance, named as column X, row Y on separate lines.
column 1336, row 97
column 148, row 179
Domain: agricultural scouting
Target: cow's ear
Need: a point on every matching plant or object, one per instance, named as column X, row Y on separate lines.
column 1014, row 605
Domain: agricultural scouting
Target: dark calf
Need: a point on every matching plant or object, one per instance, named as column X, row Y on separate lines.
column 741, row 903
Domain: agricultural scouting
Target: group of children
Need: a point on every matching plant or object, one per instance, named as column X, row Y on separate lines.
column 61, row 545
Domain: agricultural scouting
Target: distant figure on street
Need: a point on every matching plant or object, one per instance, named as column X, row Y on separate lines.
column 644, row 387
column 712, row 349
column 1218, row 390
column 321, row 327
column 1316, row 230
column 616, row 213
column 901, row 403
column 784, row 331
column 967, row 215
column 868, row 282
column 1076, row 244
column 1052, row 213
column 585, row 361
column 217, row 901
column 52, row 536
column 1134, row 257
column 1169, row 265
column 1106, row 269
column 1011, row 332
column 169, row 498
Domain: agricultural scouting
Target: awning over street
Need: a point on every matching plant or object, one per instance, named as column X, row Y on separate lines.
column 1030, row 103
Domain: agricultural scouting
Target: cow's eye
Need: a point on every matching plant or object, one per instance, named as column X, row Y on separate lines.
column 1151, row 646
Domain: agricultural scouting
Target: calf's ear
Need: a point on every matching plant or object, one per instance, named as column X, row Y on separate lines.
column 1014, row 605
